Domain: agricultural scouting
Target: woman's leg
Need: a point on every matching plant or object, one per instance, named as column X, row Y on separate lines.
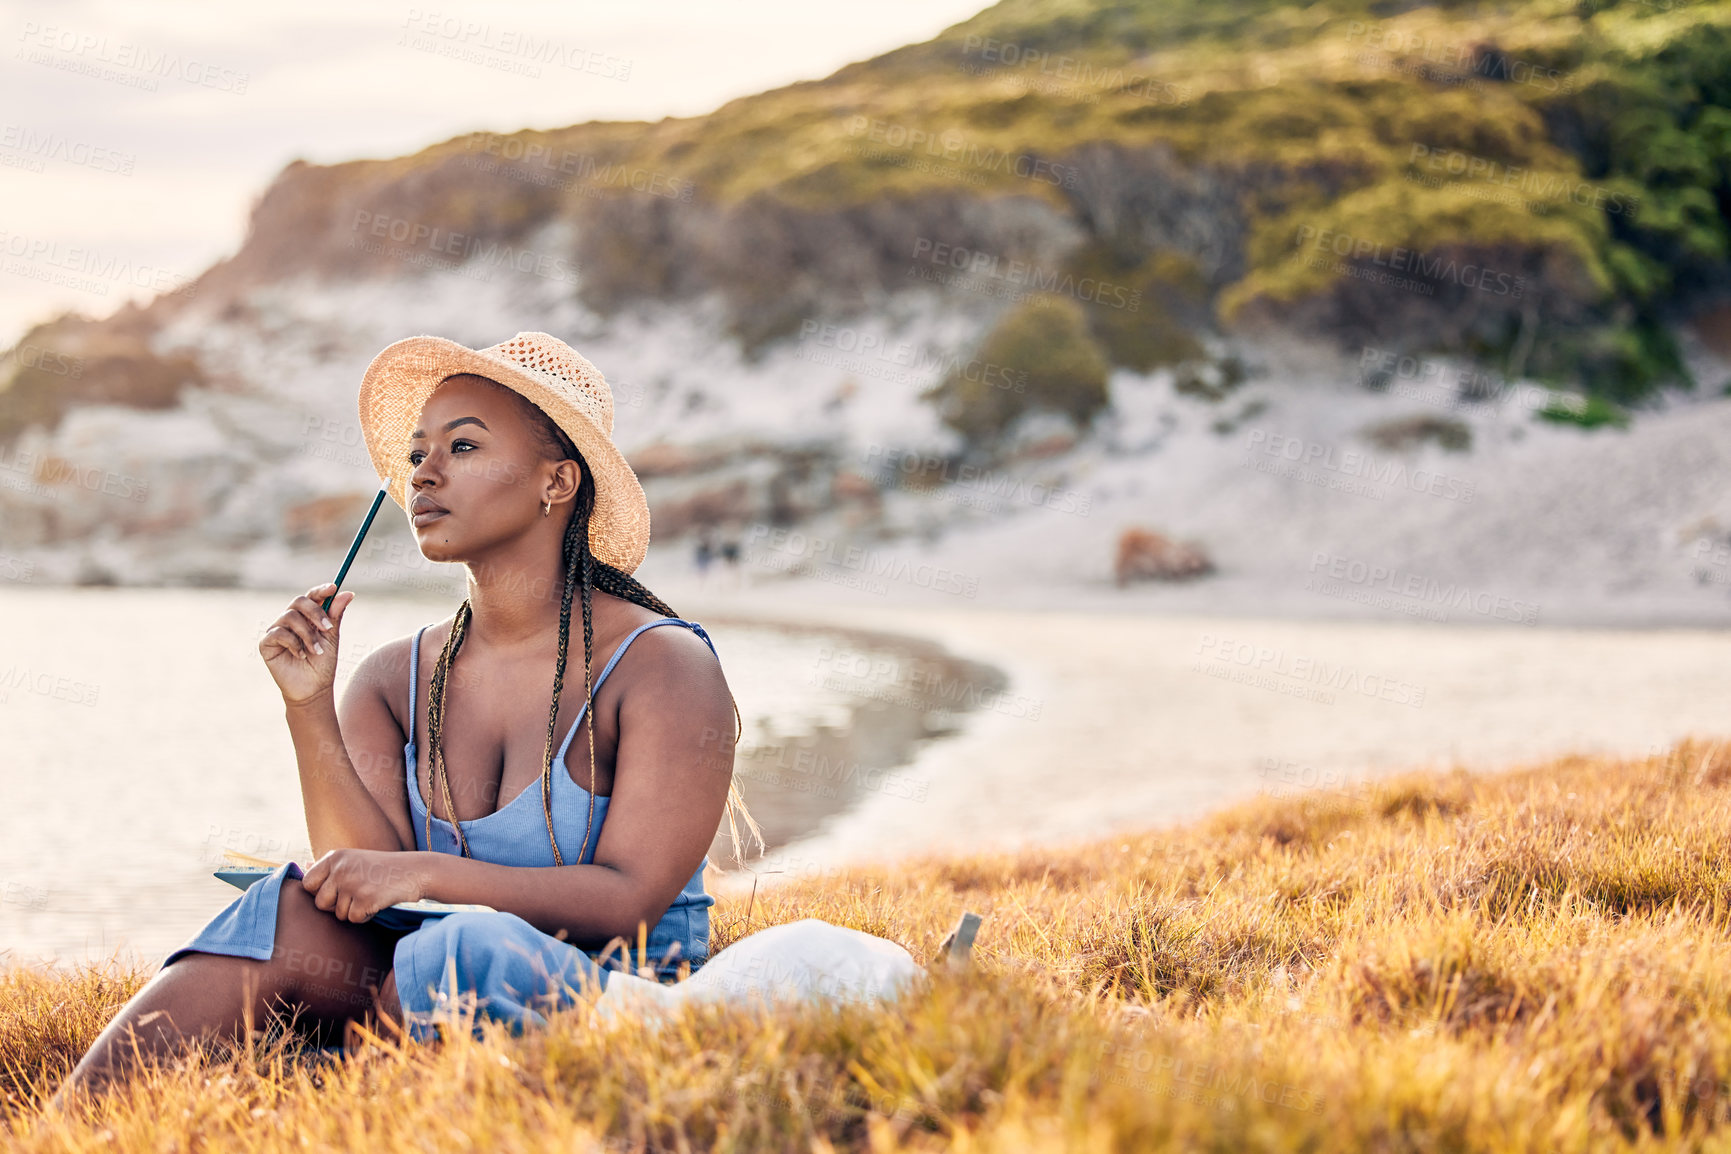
column 334, row 972
column 496, row 962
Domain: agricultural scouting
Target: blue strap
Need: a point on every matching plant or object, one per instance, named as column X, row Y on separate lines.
column 414, row 667
column 559, row 758
column 409, row 748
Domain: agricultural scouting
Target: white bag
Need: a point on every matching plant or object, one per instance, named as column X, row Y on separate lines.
column 810, row 961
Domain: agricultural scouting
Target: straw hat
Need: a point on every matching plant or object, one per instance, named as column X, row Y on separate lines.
column 552, row 375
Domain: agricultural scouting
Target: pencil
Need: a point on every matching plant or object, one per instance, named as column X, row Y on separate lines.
column 355, row 546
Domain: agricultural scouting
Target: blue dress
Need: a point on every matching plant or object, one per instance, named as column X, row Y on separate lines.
column 494, row 961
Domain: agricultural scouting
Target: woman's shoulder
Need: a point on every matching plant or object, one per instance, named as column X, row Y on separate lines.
column 385, row 667
column 664, row 648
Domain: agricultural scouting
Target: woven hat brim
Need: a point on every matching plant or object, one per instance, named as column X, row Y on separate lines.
column 400, row 379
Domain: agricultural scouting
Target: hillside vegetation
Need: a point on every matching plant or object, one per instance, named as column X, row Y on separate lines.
column 1539, row 185
column 1535, row 961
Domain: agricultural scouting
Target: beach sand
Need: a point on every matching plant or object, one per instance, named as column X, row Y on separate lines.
column 1126, row 721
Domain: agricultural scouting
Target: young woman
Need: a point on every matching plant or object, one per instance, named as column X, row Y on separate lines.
column 444, row 774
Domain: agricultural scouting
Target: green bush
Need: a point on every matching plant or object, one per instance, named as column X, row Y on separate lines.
column 1148, row 308
column 1040, row 357
column 1590, row 412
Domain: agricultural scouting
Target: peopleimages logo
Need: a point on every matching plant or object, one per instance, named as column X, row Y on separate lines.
column 1373, row 578
column 522, row 48
column 1468, row 58
column 46, row 685
column 85, row 268
column 92, row 51
column 813, row 554
column 1008, row 55
column 44, row 146
column 37, row 471
column 466, row 248
column 1352, row 463
column 1460, row 384
column 1438, row 269
column 1546, row 186
column 976, row 262
column 952, row 147
column 1302, row 671
column 29, row 355
column 582, row 167
column 928, row 470
column 855, row 349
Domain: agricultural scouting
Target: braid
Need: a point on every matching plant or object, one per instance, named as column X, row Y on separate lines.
column 576, row 542
column 579, row 569
column 622, row 584
column 587, row 571
column 435, row 728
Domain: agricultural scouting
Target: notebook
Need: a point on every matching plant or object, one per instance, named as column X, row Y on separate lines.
column 243, row 871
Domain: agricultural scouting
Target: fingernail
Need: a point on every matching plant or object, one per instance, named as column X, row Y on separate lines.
column 327, row 621
column 317, row 648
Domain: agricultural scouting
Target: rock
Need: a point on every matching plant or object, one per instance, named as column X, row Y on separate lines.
column 721, row 504
column 1412, row 432
column 850, row 486
column 666, row 459
column 325, row 522
column 1144, row 555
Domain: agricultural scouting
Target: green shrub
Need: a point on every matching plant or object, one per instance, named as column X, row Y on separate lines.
column 1043, row 358
column 1589, row 412
column 1149, row 308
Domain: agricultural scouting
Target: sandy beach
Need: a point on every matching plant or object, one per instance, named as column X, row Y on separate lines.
column 1126, row 721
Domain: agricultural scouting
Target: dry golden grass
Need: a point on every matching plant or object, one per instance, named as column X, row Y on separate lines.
column 1538, row 960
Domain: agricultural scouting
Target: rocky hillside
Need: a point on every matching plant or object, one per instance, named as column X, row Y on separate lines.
column 1064, row 228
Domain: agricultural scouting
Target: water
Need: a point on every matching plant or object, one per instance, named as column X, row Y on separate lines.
column 141, row 736
column 1147, row 720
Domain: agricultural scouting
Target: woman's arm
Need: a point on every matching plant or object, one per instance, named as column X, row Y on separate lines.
column 345, row 807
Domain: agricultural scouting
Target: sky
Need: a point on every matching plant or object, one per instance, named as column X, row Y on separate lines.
column 135, row 136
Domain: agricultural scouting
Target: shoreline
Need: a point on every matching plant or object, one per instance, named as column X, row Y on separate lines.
column 209, row 769
column 795, row 783
column 1083, row 723
column 1134, row 721
column 1222, row 595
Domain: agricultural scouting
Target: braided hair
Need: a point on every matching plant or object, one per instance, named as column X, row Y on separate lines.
column 584, row 573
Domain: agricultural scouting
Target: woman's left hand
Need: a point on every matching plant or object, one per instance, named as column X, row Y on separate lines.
column 355, row 884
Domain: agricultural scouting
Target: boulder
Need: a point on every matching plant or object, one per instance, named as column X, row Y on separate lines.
column 1144, row 555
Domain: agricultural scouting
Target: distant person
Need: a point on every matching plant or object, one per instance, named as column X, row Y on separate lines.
column 730, row 558
column 705, row 555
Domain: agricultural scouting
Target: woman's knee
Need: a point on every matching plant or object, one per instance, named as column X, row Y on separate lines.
column 324, row 960
column 471, row 936
column 496, row 949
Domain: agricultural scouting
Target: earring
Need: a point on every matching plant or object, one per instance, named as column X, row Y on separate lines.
column 547, row 508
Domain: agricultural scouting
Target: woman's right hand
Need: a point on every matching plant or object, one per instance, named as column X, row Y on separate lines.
column 300, row 647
